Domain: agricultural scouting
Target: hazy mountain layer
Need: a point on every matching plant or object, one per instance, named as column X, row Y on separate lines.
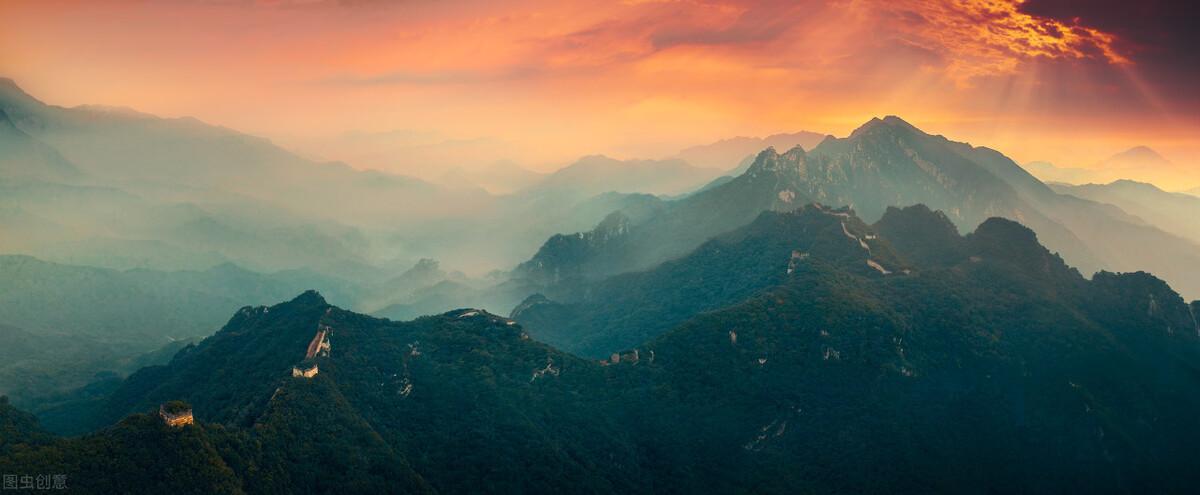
column 1140, row 163
column 26, row 158
column 884, row 163
column 990, row 363
column 592, row 175
column 120, row 189
column 66, row 324
column 725, row 153
column 1176, row 213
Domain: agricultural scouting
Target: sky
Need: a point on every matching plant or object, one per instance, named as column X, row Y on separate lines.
column 414, row 85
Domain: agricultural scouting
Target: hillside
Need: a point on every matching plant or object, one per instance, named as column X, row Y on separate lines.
column 26, row 158
column 596, row 319
column 884, row 163
column 990, row 363
column 388, row 392
column 948, row 380
column 71, row 323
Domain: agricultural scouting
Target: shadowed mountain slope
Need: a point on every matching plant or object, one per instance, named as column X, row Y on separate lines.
column 886, row 162
column 989, row 363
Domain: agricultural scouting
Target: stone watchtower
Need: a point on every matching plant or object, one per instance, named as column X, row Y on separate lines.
column 176, row 413
column 307, row 369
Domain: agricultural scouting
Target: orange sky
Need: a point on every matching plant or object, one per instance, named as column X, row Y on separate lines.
column 542, row 82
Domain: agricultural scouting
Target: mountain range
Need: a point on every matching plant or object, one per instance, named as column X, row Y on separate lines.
column 1053, row 174
column 131, row 205
column 804, row 318
column 886, row 162
column 1173, row 212
column 948, row 364
column 741, row 150
column 597, row 174
column 121, row 189
column 597, row 318
column 1139, row 164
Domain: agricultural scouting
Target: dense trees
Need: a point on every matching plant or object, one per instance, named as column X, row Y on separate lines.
column 990, row 366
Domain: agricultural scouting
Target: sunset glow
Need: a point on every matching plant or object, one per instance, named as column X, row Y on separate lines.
column 541, row 83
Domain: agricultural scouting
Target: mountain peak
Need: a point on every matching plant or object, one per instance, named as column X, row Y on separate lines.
column 1141, row 150
column 10, row 91
column 888, row 122
column 772, row 162
column 309, row 297
column 9, row 84
column 1003, row 239
column 894, row 120
column 867, row 126
column 1137, row 156
column 925, row 235
column 1134, row 185
column 1007, row 230
column 613, row 225
column 921, row 218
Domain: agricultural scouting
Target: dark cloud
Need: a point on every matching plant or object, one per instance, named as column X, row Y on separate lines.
column 1160, row 36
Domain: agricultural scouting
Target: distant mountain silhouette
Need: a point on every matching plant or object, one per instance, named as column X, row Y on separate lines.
column 128, row 147
column 598, row 174
column 1135, row 157
column 1176, row 213
column 501, row 177
column 177, row 193
column 741, row 150
column 1050, row 173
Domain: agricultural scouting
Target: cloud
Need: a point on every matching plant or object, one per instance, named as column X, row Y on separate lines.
column 630, row 75
column 1159, row 36
column 987, row 38
column 964, row 39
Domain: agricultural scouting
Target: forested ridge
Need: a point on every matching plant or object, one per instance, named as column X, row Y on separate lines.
column 978, row 363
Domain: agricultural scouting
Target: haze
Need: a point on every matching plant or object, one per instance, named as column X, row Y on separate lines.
column 420, row 88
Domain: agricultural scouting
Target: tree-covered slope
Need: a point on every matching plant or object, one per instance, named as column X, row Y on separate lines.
column 990, row 366
column 138, row 455
column 64, row 324
column 598, row 318
column 1003, row 372
column 456, row 401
